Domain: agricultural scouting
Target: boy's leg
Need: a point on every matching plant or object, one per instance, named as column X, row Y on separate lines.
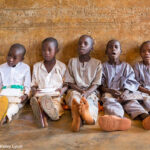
column 88, row 110
column 136, row 110
column 72, row 94
column 113, row 119
column 146, row 102
column 37, row 111
column 111, row 106
column 12, row 110
column 57, row 101
column 52, row 107
column 73, row 100
column 75, row 116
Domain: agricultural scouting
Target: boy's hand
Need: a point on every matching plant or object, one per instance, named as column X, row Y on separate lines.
column 123, row 95
column 85, row 94
column 24, row 98
column 60, row 90
column 148, row 92
column 115, row 93
column 33, row 90
column 119, row 99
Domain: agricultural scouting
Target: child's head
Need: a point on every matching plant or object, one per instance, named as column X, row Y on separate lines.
column 49, row 48
column 145, row 51
column 85, row 44
column 113, row 49
column 16, row 54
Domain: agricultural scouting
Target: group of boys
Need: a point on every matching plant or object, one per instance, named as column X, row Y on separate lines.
column 122, row 88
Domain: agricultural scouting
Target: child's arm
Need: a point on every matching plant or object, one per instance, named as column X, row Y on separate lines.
column 113, row 92
column 63, row 89
column 27, row 84
column 24, row 98
column 34, row 90
column 34, row 85
column 144, row 90
column 75, row 87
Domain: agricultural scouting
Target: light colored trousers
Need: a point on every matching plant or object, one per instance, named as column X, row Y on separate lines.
column 56, row 102
column 91, row 99
column 132, row 107
column 13, row 108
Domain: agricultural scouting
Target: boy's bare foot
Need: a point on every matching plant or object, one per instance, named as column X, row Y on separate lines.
column 76, row 116
column 84, row 111
column 49, row 108
column 146, row 123
column 114, row 123
column 37, row 112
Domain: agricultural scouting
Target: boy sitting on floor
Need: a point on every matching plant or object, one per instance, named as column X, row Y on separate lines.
column 47, row 84
column 15, row 82
column 83, row 77
column 120, row 88
column 142, row 75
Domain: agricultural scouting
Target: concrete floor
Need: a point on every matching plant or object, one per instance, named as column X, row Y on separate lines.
column 22, row 133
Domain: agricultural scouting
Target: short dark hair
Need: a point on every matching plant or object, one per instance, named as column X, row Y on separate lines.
column 143, row 45
column 50, row 39
column 92, row 40
column 20, row 47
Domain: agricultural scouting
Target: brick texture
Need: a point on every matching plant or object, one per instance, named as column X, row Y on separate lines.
column 29, row 22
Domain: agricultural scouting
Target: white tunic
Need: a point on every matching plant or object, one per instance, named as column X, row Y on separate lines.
column 18, row 75
column 52, row 80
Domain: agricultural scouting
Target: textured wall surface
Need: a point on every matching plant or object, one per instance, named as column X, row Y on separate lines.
column 29, row 22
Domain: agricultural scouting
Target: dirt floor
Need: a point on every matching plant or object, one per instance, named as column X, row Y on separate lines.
column 22, row 133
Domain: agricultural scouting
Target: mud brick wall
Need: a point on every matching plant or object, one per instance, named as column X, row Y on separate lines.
column 30, row 21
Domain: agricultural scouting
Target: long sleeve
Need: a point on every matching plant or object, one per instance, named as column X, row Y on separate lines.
column 1, row 82
column 34, row 82
column 27, row 82
column 98, row 76
column 128, row 80
column 69, row 73
column 136, row 71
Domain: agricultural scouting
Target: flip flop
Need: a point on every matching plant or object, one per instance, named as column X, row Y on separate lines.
column 3, row 108
column 37, row 112
column 49, row 108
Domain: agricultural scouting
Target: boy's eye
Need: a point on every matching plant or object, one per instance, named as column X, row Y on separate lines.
column 85, row 43
column 110, row 46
